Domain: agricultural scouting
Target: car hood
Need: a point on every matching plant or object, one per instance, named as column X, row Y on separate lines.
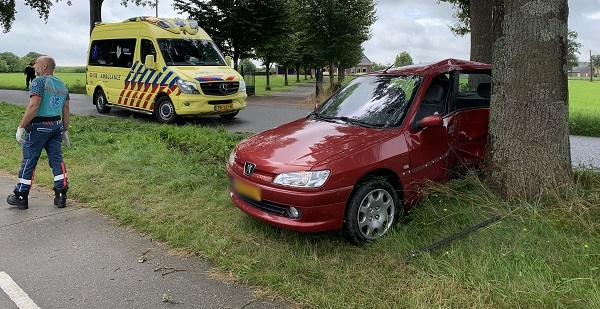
column 206, row 74
column 304, row 143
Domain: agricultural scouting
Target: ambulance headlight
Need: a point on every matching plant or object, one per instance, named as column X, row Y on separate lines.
column 187, row 87
column 242, row 86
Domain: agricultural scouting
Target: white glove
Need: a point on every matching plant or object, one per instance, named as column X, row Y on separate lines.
column 65, row 139
column 19, row 135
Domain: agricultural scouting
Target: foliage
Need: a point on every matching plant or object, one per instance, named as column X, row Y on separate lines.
column 379, row 66
column 335, row 27
column 13, row 62
column 247, row 64
column 572, row 50
column 403, row 59
column 462, row 13
column 596, row 61
column 237, row 27
column 169, row 183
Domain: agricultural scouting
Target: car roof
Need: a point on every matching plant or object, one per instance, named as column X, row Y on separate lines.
column 442, row 66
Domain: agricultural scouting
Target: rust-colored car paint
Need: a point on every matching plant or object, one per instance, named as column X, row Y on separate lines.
column 350, row 152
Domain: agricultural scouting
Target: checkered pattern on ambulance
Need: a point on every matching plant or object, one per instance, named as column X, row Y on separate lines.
column 143, row 85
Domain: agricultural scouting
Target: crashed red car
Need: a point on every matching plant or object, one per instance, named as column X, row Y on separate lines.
column 356, row 163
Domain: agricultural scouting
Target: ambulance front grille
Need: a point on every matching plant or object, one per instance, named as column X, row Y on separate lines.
column 220, row 88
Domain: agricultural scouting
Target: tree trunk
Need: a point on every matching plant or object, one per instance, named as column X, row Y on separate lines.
column 482, row 34
column 285, row 74
column 95, row 13
column 268, row 69
column 341, row 75
column 298, row 73
column 528, row 150
column 331, row 75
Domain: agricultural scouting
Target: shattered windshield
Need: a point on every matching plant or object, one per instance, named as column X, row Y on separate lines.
column 190, row 52
column 372, row 101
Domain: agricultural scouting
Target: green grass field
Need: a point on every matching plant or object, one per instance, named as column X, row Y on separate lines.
column 541, row 254
column 584, row 96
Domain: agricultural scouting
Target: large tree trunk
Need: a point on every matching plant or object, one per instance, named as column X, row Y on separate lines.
column 528, row 150
column 95, row 13
column 482, row 34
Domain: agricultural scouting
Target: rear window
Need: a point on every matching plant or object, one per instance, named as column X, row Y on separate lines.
column 112, row 53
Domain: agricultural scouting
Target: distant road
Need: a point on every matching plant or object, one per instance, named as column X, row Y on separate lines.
column 267, row 112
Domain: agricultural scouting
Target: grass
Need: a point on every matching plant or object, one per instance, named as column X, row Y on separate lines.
column 542, row 254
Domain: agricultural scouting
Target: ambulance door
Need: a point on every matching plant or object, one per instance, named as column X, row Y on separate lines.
column 123, row 52
column 146, row 78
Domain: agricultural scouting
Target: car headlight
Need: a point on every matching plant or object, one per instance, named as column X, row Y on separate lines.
column 304, row 179
column 187, row 87
column 242, row 86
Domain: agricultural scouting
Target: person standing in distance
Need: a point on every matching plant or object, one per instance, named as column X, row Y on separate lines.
column 29, row 74
column 42, row 128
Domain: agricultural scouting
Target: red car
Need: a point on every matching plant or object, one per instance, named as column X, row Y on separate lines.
column 356, row 163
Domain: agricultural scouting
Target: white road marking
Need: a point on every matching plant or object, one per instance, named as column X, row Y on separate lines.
column 18, row 296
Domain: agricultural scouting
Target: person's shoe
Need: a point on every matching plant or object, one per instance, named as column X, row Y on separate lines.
column 60, row 197
column 19, row 199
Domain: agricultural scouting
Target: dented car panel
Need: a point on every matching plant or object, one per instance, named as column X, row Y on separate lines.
column 358, row 161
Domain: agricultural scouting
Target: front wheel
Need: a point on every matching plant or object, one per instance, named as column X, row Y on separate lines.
column 101, row 102
column 164, row 111
column 230, row 115
column 372, row 211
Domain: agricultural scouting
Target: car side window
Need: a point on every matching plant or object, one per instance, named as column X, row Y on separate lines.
column 435, row 101
column 474, row 90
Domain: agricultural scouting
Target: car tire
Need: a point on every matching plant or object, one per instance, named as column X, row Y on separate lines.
column 101, row 102
column 230, row 115
column 164, row 111
column 372, row 211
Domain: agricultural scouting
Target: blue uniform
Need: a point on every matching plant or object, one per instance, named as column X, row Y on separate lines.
column 45, row 132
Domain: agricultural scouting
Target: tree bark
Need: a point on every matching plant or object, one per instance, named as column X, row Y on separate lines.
column 528, row 151
column 95, row 13
column 482, row 32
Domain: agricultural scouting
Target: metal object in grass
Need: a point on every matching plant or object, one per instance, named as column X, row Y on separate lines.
column 453, row 237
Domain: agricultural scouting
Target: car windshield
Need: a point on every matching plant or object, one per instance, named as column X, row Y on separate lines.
column 190, row 52
column 373, row 100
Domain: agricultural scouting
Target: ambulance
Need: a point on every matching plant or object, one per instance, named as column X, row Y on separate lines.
column 164, row 67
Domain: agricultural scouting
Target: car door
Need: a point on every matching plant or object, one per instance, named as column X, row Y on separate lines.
column 429, row 146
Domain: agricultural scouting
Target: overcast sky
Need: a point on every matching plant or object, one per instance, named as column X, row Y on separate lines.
column 420, row 27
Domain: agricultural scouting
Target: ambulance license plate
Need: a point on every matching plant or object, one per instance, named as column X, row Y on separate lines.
column 246, row 190
column 223, row 107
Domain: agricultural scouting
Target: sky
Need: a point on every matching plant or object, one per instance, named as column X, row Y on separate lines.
column 419, row 27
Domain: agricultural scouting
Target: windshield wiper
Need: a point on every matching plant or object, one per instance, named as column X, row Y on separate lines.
column 346, row 120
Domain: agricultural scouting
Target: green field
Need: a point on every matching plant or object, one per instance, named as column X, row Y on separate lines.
column 76, row 82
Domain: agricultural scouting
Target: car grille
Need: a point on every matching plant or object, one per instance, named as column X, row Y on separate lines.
column 220, row 88
column 267, row 207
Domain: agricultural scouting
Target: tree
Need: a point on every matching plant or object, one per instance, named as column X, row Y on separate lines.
column 25, row 60
column 247, row 65
column 403, row 59
column 7, row 10
column 334, row 26
column 528, row 150
column 13, row 62
column 596, row 61
column 379, row 66
column 573, row 49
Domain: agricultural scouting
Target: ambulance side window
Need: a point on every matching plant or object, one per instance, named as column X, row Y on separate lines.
column 122, row 52
column 147, row 49
column 112, row 53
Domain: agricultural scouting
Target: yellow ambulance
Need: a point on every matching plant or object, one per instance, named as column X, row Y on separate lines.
column 162, row 67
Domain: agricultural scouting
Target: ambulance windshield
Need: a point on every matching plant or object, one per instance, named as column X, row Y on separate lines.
column 190, row 52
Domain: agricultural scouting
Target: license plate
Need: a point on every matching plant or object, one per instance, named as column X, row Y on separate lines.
column 223, row 107
column 246, row 190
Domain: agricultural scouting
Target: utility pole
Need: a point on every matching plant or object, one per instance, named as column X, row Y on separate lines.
column 591, row 67
column 156, row 8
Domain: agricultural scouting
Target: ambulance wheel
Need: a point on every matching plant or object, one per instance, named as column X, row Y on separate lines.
column 101, row 103
column 230, row 115
column 164, row 111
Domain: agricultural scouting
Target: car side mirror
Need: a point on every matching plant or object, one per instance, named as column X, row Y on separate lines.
column 432, row 121
column 149, row 62
column 228, row 60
